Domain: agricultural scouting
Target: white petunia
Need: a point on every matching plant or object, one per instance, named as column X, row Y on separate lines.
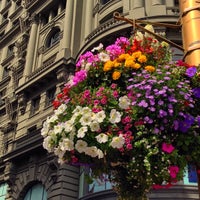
column 94, row 126
column 150, row 28
column 68, row 125
column 61, row 109
column 102, row 138
column 81, row 146
column 52, row 119
column 87, row 66
column 77, row 110
column 66, row 144
column 58, row 128
column 97, row 48
column 104, row 57
column 82, row 131
column 91, row 151
column 47, row 143
column 124, row 102
column 117, row 142
column 100, row 154
column 85, row 120
column 100, row 116
column 45, row 129
column 86, row 110
column 115, row 116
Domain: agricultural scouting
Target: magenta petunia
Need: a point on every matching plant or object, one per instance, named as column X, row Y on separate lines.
column 173, row 171
column 168, row 148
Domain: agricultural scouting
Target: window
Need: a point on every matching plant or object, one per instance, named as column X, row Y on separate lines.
column 104, row 1
column 5, row 16
column 50, row 96
column 5, row 72
column 10, row 50
column 89, row 186
column 100, row 184
column 2, row 94
column 3, row 191
column 53, row 38
column 176, row 54
column 35, row 105
column 36, row 192
column 190, row 177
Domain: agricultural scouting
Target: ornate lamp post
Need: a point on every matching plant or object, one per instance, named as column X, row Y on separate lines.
column 190, row 20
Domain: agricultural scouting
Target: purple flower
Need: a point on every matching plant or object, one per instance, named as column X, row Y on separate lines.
column 185, row 125
column 143, row 103
column 162, row 113
column 190, row 72
column 196, row 92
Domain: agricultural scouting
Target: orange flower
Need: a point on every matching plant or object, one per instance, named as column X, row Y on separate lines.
column 116, row 75
column 150, row 68
column 136, row 66
column 129, row 62
column 142, row 59
column 108, row 66
column 137, row 54
column 123, row 57
column 116, row 63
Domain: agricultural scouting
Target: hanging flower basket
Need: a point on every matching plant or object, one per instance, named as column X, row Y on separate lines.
column 129, row 112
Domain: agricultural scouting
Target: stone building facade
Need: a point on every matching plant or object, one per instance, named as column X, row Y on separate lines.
column 40, row 42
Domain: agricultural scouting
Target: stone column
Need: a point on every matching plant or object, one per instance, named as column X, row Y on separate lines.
column 31, row 47
column 157, row 2
column 67, row 32
column 88, row 17
column 137, row 9
column 170, row 3
column 138, row 4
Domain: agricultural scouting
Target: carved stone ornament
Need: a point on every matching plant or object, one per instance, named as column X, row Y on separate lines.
column 22, row 103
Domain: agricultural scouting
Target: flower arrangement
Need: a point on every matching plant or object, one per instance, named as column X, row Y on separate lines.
column 130, row 110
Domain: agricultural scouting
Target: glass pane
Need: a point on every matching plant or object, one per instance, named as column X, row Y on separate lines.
column 190, row 177
column 37, row 192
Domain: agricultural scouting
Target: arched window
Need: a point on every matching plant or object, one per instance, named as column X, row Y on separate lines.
column 53, row 38
column 36, row 192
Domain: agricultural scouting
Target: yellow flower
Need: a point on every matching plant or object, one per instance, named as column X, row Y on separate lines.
column 164, row 44
column 137, row 54
column 142, row 59
column 123, row 57
column 116, row 63
column 116, row 75
column 108, row 66
column 129, row 62
column 136, row 66
column 150, row 68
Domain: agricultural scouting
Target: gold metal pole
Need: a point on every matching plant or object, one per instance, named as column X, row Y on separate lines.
column 190, row 20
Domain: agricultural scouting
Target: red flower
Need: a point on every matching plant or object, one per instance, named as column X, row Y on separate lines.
column 56, row 104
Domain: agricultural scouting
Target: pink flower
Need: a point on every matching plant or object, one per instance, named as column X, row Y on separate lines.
column 173, row 171
column 79, row 77
column 115, row 93
column 104, row 100
column 168, row 148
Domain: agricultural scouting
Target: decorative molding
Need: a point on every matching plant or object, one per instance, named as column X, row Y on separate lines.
column 22, row 101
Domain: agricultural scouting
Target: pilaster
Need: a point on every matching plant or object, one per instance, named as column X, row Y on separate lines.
column 67, row 32
column 31, row 47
